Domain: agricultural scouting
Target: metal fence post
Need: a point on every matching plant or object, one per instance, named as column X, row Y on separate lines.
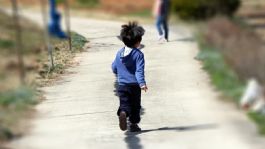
column 68, row 23
column 46, row 34
column 19, row 46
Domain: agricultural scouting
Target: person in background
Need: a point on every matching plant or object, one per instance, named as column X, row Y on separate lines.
column 161, row 13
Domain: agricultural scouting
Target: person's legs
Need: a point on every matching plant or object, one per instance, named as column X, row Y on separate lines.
column 124, row 100
column 158, row 25
column 124, row 108
column 165, row 26
column 135, row 102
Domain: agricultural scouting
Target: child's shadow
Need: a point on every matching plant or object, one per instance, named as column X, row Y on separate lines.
column 182, row 128
column 134, row 142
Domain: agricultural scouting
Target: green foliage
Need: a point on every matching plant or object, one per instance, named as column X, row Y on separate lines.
column 224, row 79
column 222, row 76
column 18, row 98
column 88, row 3
column 259, row 119
column 59, row 1
column 144, row 13
column 6, row 43
column 78, row 41
column 82, row 3
column 203, row 9
column 13, row 104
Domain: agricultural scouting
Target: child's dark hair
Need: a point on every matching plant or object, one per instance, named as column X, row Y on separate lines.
column 131, row 34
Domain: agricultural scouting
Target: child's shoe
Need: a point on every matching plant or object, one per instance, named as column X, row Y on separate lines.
column 135, row 128
column 123, row 121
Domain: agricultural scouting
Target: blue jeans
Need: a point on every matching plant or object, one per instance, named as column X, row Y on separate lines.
column 162, row 22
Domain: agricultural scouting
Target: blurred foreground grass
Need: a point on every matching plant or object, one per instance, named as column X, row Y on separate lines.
column 222, row 76
column 15, row 105
column 16, row 101
column 259, row 119
column 229, row 63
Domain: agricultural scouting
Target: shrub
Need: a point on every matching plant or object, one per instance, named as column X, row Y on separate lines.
column 231, row 54
column 203, row 9
column 242, row 48
column 221, row 74
column 88, row 3
column 19, row 98
column 83, row 3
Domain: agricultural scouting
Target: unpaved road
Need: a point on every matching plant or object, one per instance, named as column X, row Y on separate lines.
column 181, row 109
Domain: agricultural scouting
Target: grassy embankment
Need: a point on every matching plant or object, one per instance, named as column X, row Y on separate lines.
column 225, row 47
column 16, row 101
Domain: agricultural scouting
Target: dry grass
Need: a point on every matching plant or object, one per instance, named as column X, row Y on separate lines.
column 229, row 51
column 32, row 50
column 243, row 50
column 16, row 101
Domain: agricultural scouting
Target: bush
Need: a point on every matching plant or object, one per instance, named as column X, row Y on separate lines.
column 242, row 48
column 82, row 3
column 14, row 104
column 260, row 121
column 221, row 74
column 232, row 53
column 17, row 99
column 88, row 3
column 203, row 9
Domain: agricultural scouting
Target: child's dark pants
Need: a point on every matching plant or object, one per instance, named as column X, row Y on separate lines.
column 130, row 102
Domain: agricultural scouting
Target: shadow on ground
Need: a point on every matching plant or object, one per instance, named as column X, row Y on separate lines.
column 134, row 142
column 182, row 128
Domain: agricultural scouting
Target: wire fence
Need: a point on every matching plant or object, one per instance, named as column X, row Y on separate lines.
column 46, row 34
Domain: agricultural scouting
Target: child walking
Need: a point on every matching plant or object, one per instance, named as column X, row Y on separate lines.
column 129, row 66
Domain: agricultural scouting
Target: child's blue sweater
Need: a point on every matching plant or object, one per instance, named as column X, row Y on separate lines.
column 130, row 68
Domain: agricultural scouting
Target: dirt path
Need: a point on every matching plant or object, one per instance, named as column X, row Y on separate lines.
column 181, row 110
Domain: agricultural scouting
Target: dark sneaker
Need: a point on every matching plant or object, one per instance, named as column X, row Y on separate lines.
column 123, row 121
column 135, row 128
